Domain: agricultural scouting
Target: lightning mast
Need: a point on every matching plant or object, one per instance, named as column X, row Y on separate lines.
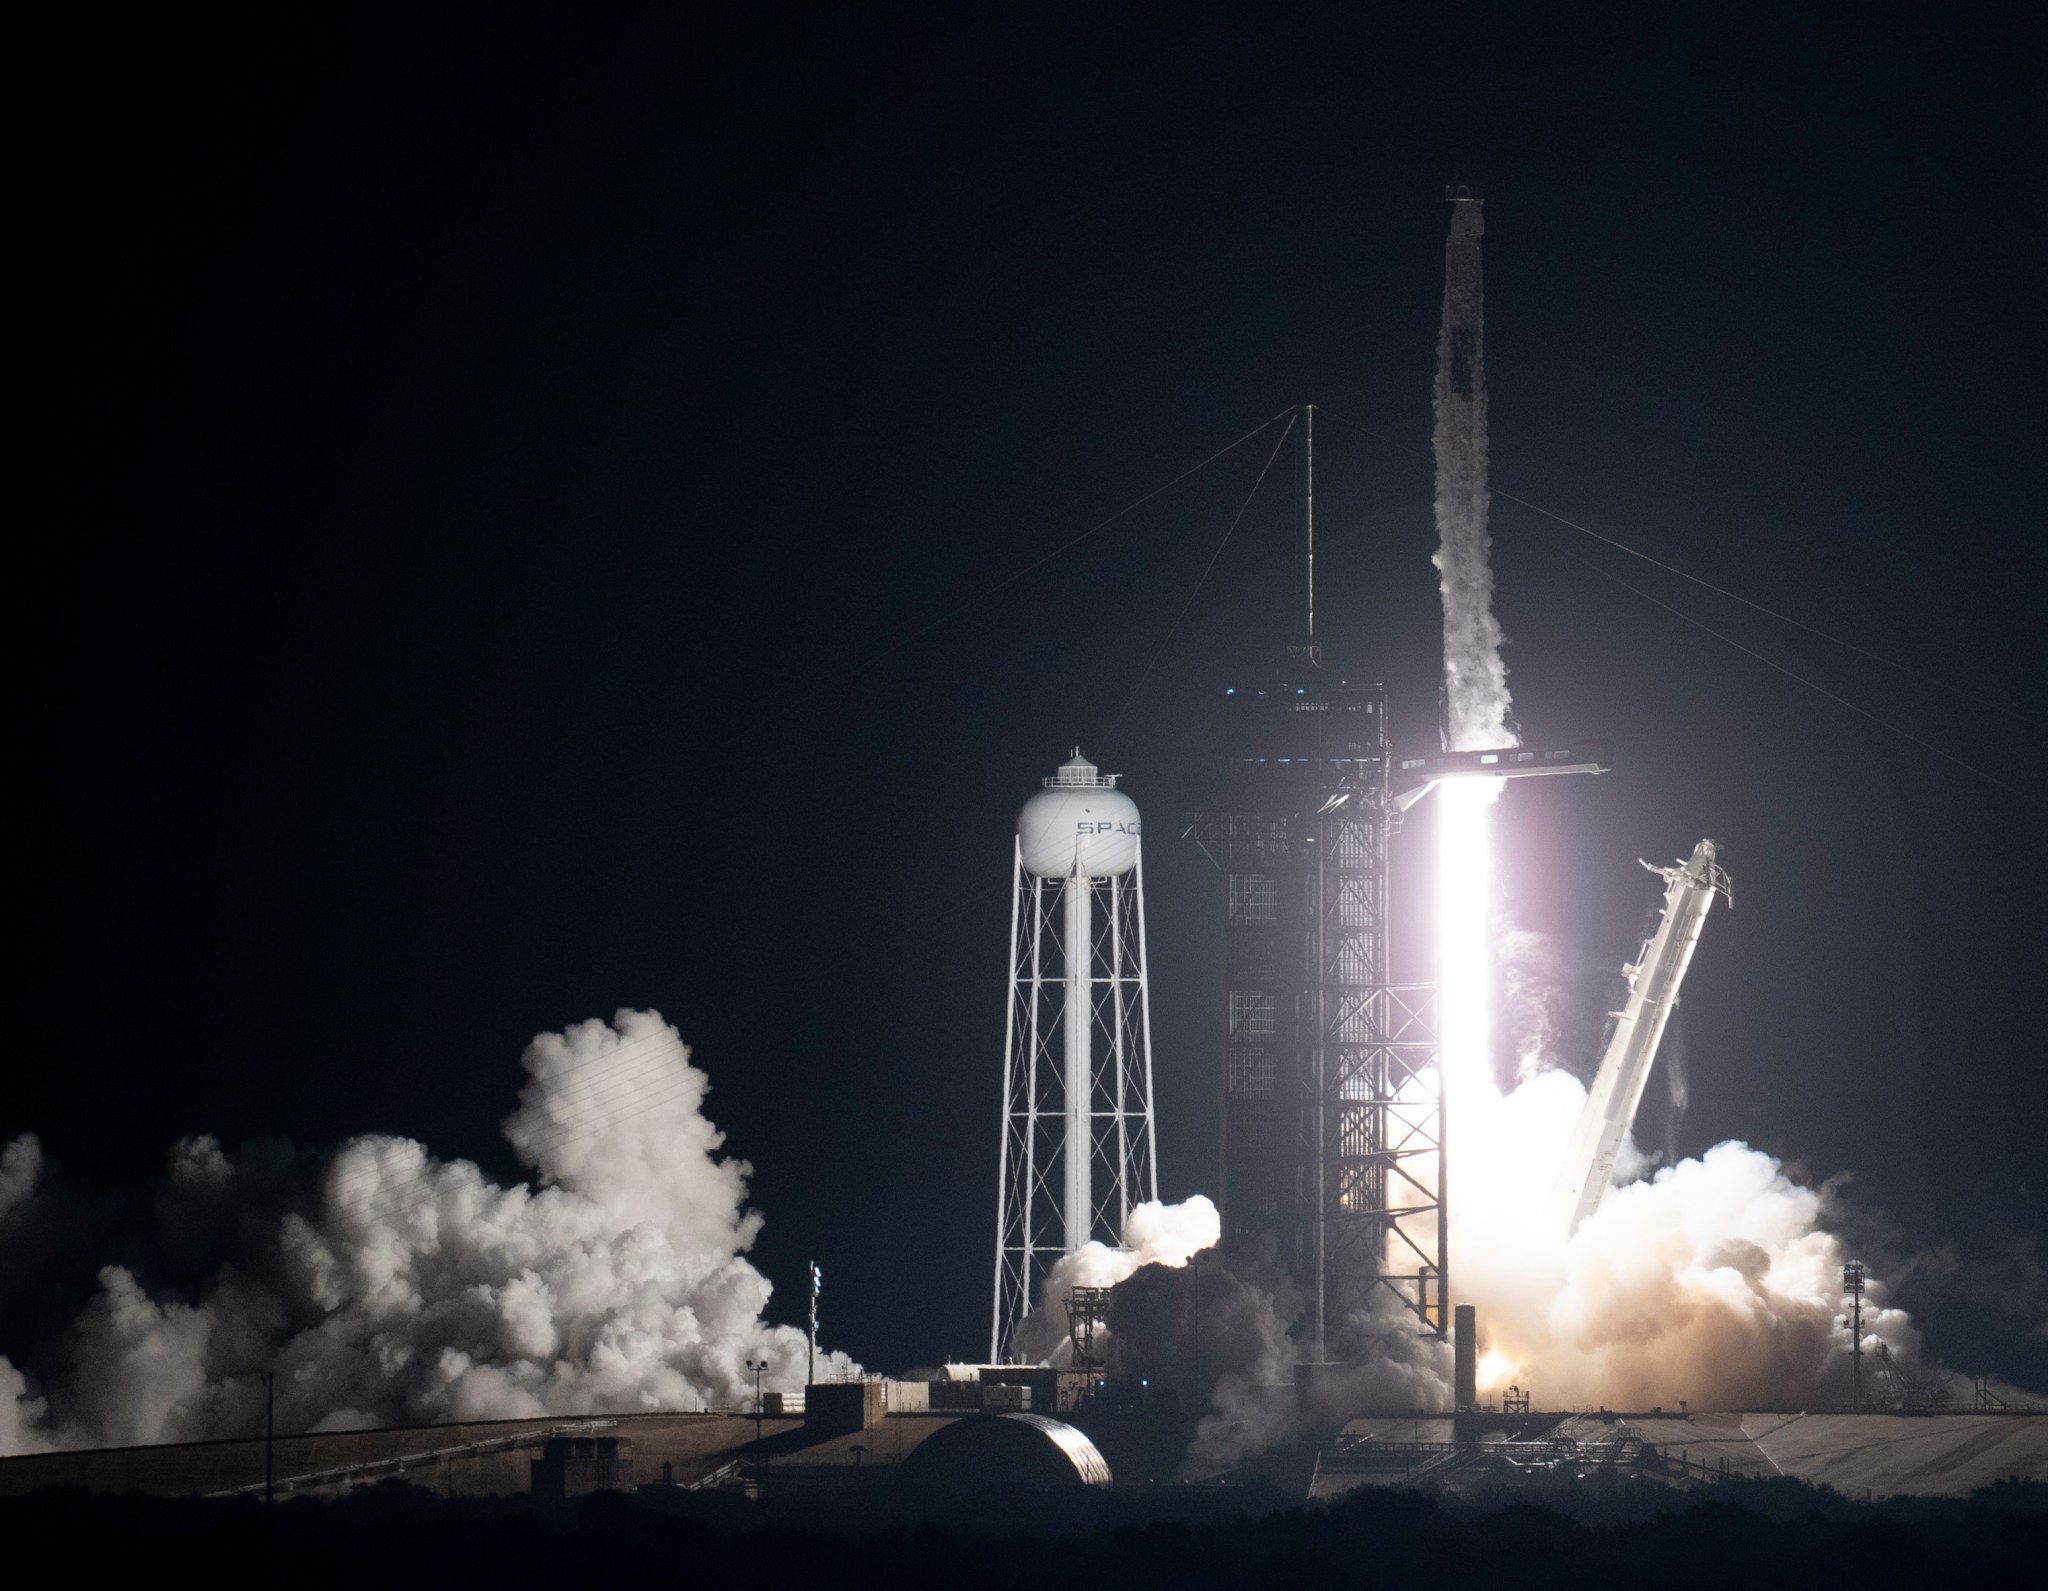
column 1310, row 652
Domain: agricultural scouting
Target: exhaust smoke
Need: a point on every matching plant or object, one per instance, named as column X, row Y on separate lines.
column 388, row 1287
column 1714, row 1280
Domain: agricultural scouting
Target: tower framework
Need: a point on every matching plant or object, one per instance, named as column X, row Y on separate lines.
column 1333, row 1168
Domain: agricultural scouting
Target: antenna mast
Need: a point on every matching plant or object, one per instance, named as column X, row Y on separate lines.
column 1310, row 652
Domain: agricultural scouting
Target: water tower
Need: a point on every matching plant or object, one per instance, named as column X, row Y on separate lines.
column 1077, row 1056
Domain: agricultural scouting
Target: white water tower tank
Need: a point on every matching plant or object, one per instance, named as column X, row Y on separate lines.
column 1080, row 820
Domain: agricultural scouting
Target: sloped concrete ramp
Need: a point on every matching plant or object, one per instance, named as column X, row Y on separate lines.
column 1892, row 1455
column 1859, row 1455
column 1716, row 1443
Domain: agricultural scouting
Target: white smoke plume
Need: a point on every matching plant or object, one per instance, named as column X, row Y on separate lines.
column 21, row 1162
column 1713, row 1281
column 1475, row 679
column 1154, row 1234
column 1677, row 1081
column 21, row 1416
column 396, row 1288
column 1532, row 985
column 1258, row 1406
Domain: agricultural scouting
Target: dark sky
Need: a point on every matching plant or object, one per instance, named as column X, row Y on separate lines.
column 518, row 493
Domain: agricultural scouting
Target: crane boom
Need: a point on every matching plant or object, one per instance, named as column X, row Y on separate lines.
column 1653, row 981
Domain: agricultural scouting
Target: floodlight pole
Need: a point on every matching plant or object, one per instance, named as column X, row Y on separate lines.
column 811, row 1360
column 269, row 1434
column 760, row 1453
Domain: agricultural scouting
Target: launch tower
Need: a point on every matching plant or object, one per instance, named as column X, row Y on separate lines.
column 1334, row 1153
column 1334, row 1163
column 1332, row 1124
column 1332, row 1156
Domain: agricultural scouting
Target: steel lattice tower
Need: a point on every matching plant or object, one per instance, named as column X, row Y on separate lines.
column 1077, row 1138
column 1332, row 1164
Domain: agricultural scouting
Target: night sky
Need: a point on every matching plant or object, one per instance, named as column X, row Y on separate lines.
column 526, row 501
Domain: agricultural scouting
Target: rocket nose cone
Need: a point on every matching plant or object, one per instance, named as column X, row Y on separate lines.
column 1468, row 220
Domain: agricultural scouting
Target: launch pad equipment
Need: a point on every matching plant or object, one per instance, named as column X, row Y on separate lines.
column 1077, row 1142
column 1653, row 980
column 1087, row 1313
column 1465, row 1360
column 1900, row 1388
column 1415, row 777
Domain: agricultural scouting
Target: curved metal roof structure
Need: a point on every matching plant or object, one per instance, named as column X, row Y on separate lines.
column 985, row 1450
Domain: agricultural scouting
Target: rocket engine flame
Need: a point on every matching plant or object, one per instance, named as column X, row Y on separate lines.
column 1465, row 888
column 1713, row 1280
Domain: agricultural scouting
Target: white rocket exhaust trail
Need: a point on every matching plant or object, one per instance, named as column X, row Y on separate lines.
column 1475, row 680
column 1714, row 1280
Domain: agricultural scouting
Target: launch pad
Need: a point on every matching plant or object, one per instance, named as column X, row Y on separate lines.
column 672, row 1455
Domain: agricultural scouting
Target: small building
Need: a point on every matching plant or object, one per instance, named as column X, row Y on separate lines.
column 576, row 1466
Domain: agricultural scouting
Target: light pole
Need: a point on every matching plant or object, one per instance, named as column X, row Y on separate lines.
column 811, row 1362
column 1853, row 1280
column 269, row 1433
column 760, row 1454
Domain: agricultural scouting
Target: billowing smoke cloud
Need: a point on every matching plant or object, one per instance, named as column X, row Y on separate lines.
column 1714, row 1280
column 1154, row 1234
column 1677, row 1080
column 1533, row 987
column 385, row 1286
column 20, row 1163
column 1220, row 1335
column 1253, row 1408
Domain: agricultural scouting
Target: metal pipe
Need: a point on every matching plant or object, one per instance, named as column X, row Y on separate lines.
column 1145, row 1032
column 1465, row 1359
column 1078, row 1033
column 1321, row 1038
column 995, row 1330
column 1024, row 1261
column 1118, row 889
